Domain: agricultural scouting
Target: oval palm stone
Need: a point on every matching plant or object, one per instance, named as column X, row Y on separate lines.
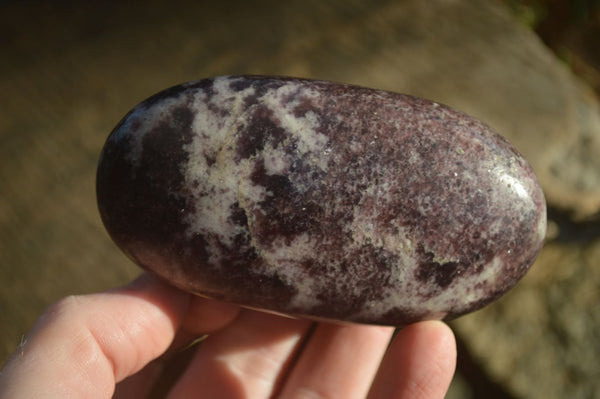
column 320, row 200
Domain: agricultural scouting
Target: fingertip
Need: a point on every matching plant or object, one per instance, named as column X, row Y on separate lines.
column 437, row 338
column 196, row 315
column 147, row 285
column 206, row 316
column 420, row 362
column 169, row 300
column 435, row 330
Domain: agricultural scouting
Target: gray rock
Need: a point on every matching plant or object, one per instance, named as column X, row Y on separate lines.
column 320, row 199
column 541, row 341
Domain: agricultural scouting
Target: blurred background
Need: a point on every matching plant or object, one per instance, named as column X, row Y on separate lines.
column 530, row 69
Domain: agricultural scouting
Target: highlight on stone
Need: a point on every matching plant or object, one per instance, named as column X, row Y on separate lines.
column 320, row 200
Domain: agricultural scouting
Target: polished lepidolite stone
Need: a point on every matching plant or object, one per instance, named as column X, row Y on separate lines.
column 320, row 200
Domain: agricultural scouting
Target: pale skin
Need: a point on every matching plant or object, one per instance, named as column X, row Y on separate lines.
column 105, row 345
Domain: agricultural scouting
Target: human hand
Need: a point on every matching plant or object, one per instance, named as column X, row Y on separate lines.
column 85, row 346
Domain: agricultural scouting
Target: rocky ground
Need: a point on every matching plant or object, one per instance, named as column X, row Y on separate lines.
column 70, row 73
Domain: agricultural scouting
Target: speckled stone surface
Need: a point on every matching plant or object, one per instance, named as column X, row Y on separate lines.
column 320, row 200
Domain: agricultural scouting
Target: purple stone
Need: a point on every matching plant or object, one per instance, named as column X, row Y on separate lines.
column 320, row 200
